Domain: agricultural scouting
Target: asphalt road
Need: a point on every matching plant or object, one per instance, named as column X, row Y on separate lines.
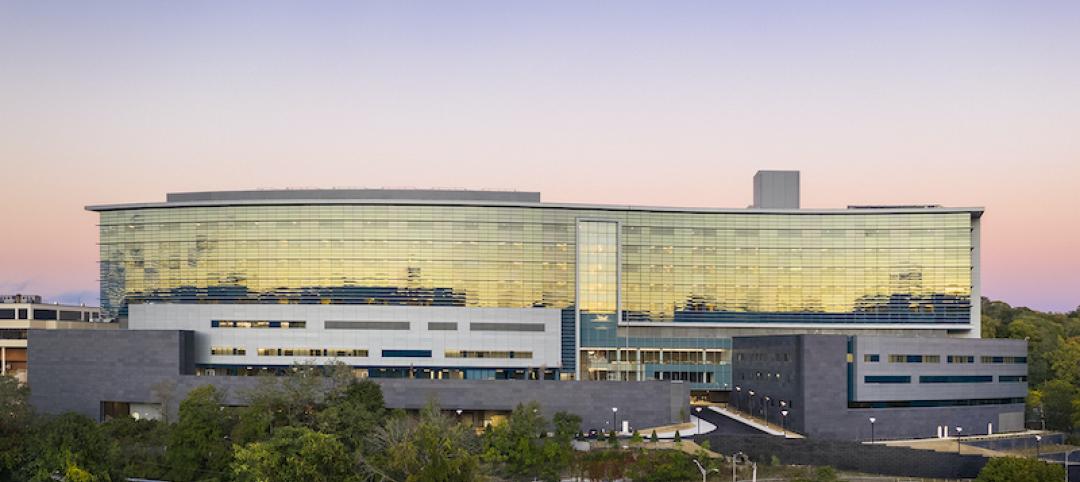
column 725, row 425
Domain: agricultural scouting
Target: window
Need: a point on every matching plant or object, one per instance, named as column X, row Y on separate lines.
column 7, row 314
column 961, row 359
column 506, row 326
column 1004, row 359
column 44, row 314
column 1012, row 378
column 227, row 350
column 956, row 379
column 914, row 358
column 887, row 379
column 71, row 316
column 440, row 325
column 314, row 352
column 367, row 325
column 257, row 324
column 487, row 354
column 406, row 353
column 868, row 358
column 10, row 334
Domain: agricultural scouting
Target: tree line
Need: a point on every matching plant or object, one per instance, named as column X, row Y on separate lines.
column 1053, row 359
column 315, row 424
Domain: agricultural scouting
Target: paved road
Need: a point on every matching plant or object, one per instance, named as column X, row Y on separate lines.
column 725, row 425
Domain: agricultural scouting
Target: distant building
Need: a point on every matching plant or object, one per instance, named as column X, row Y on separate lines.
column 19, row 313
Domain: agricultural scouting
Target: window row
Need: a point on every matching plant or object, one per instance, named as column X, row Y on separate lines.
column 904, row 379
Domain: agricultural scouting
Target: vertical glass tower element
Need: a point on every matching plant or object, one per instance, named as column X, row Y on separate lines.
column 598, row 298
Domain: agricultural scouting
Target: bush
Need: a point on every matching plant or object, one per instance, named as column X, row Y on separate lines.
column 1013, row 469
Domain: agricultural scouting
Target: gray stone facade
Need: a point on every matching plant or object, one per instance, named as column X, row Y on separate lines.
column 78, row 370
column 810, row 374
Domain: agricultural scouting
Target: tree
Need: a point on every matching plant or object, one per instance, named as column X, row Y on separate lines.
column 653, row 437
column 14, row 424
column 294, row 453
column 354, row 413
column 1014, row 469
column 663, row 466
column 431, row 447
column 678, row 437
column 199, row 447
column 566, row 425
column 518, row 449
column 68, row 445
column 140, row 446
column 1057, row 397
column 821, row 474
column 1065, row 361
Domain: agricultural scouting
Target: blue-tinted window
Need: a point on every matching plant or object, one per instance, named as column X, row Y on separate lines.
column 1012, row 378
column 956, row 379
column 887, row 379
column 406, row 353
column 874, row 358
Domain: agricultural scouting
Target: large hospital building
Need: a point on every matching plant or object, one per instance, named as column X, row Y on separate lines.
column 478, row 285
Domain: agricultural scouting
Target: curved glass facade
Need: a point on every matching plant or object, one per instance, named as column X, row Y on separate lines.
column 854, row 266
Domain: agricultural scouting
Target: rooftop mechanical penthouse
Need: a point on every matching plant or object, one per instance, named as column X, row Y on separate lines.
column 495, row 284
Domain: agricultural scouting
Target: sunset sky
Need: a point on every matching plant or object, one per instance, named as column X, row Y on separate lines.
column 655, row 103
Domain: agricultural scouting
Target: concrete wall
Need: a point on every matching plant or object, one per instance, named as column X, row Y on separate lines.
column 75, row 371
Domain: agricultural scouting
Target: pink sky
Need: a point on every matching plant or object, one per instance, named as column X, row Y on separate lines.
column 976, row 106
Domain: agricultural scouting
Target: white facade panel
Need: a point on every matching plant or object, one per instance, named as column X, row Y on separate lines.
column 521, row 333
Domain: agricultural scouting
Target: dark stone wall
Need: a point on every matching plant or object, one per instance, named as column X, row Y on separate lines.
column 72, row 370
column 818, row 393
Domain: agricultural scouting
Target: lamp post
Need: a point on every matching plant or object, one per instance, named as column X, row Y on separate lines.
column 1038, row 441
column 750, row 404
column 698, row 410
column 614, row 419
column 1067, row 453
column 765, row 409
column 959, row 430
column 872, row 422
column 734, row 459
column 738, row 393
column 783, row 421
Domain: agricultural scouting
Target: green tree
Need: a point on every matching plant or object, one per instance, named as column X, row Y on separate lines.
column 431, row 447
column 199, row 447
column 566, row 425
column 294, row 453
column 517, row 448
column 1057, row 398
column 140, row 446
column 1065, row 361
column 1014, row 469
column 663, row 466
column 68, row 444
column 14, row 424
column 354, row 413
column 654, row 437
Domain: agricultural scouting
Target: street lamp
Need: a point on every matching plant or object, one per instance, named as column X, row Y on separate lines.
column 734, row 459
column 614, row 419
column 765, row 409
column 698, row 410
column 872, row 422
column 750, row 404
column 783, row 421
column 1038, row 440
column 1067, row 453
column 738, row 393
column 959, row 430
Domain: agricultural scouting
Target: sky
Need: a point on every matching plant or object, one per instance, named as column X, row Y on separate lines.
column 652, row 103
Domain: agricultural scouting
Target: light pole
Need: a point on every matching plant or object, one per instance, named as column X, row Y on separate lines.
column 734, row 459
column 959, row 430
column 1038, row 440
column 738, row 393
column 698, row 410
column 1067, row 453
column 872, row 421
column 614, row 419
column 750, row 405
column 765, row 409
column 783, row 421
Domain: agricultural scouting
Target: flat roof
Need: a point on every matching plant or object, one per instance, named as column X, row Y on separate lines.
column 469, row 198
